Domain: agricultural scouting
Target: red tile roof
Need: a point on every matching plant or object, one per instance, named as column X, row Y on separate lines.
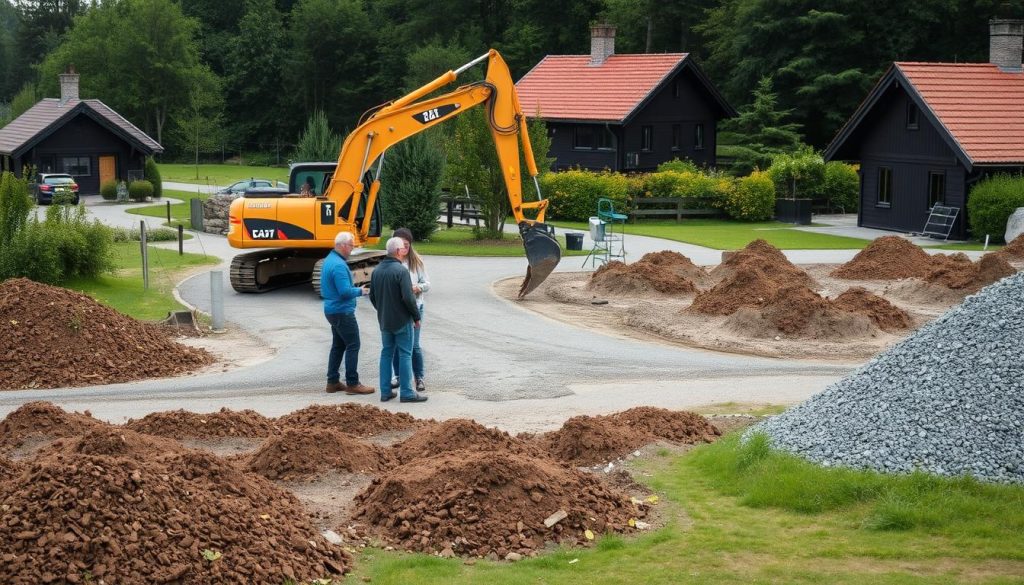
column 566, row 87
column 981, row 106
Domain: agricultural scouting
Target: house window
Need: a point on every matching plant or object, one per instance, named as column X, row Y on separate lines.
column 884, row 187
column 647, row 138
column 677, row 136
column 583, row 137
column 912, row 115
column 76, row 166
column 698, row 137
column 936, row 188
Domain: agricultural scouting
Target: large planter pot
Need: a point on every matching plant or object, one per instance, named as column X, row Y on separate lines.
column 796, row 211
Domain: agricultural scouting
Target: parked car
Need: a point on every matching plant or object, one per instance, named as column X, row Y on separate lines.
column 48, row 184
column 239, row 187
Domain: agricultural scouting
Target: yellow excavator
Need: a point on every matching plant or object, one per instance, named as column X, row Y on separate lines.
column 296, row 227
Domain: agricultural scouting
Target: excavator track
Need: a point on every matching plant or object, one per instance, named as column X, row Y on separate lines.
column 362, row 266
column 267, row 270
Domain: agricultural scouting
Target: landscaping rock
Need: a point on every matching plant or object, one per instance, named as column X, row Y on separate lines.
column 1014, row 225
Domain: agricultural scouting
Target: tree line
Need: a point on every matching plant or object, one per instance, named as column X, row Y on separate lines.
column 198, row 73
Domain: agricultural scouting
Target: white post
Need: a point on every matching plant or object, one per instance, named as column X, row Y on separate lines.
column 217, row 300
column 145, row 255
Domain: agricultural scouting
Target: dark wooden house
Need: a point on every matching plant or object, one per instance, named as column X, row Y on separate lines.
column 624, row 112
column 83, row 138
column 927, row 132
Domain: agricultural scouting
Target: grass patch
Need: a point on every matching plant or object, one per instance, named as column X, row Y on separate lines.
column 123, row 290
column 754, row 409
column 722, row 234
column 463, row 241
column 859, row 528
column 219, row 175
column 180, row 212
column 971, row 246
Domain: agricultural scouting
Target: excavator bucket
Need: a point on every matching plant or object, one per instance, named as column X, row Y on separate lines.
column 542, row 252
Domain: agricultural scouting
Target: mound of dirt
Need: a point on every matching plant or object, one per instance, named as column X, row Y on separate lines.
column 181, row 424
column 56, row 337
column 887, row 258
column 96, row 508
column 303, row 453
column 1013, row 250
column 456, row 435
column 358, row 420
column 588, row 440
column 672, row 425
column 676, row 263
column 770, row 261
column 882, row 313
column 42, row 420
column 642, row 277
column 8, row 468
column 489, row 503
column 793, row 308
column 746, row 286
column 959, row 273
column 798, row 312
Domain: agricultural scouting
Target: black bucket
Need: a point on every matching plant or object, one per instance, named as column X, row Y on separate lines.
column 573, row 241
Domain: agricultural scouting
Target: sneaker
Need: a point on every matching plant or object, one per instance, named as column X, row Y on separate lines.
column 420, row 386
column 333, row 387
column 394, row 383
column 388, row 397
column 413, row 398
column 360, row 389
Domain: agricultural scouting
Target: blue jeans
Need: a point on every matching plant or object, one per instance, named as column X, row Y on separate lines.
column 397, row 345
column 344, row 342
column 417, row 353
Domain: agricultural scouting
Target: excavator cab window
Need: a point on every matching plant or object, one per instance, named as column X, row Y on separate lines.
column 318, row 180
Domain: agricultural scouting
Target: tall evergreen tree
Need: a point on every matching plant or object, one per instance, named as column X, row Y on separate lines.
column 411, row 184
column 758, row 133
column 318, row 142
column 256, row 103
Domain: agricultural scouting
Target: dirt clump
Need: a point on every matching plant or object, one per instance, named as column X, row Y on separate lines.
column 55, row 337
column 791, row 309
column 358, row 420
column 959, row 273
column 182, row 424
column 304, row 453
column 887, row 258
column 798, row 312
column 8, row 468
column 677, row 426
column 747, row 286
column 133, row 512
column 592, row 440
column 660, row 272
column 490, row 504
column 766, row 258
column 1013, row 250
column 457, row 435
column 883, row 314
column 42, row 420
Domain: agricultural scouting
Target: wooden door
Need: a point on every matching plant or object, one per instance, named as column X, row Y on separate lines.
column 108, row 169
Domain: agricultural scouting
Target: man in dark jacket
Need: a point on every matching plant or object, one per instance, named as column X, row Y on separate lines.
column 397, row 313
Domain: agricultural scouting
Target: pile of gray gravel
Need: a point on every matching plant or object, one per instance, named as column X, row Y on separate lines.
column 947, row 400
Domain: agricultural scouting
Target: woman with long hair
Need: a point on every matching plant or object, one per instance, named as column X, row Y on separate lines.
column 420, row 286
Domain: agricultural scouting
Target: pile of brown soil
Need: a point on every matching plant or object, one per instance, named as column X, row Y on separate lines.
column 355, row 419
column 672, row 425
column 798, row 312
column 56, row 337
column 676, row 263
column 640, row 277
column 747, row 286
column 181, row 424
column 887, row 258
column 119, row 507
column 8, row 468
column 1013, row 250
column 455, row 435
column 959, row 273
column 304, row 453
column 792, row 309
column 882, row 313
column 588, row 440
column 770, row 261
column 42, row 420
column 489, row 504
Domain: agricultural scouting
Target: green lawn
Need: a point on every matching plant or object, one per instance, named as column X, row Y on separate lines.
column 123, row 290
column 731, row 235
column 179, row 211
column 461, row 241
column 969, row 246
column 220, row 175
column 750, row 515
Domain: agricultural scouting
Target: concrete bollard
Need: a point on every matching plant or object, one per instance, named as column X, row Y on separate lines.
column 217, row 300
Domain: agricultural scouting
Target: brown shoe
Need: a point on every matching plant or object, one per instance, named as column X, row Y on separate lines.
column 360, row 389
column 335, row 387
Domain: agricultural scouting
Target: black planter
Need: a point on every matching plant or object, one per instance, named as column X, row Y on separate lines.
column 796, row 211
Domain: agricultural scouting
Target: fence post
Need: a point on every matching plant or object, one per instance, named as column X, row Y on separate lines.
column 145, row 255
column 217, row 300
column 451, row 208
column 168, row 212
column 181, row 240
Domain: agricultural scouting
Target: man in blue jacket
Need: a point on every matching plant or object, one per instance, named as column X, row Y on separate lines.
column 397, row 313
column 340, row 296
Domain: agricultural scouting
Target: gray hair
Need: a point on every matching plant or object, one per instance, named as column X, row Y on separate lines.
column 343, row 238
column 395, row 244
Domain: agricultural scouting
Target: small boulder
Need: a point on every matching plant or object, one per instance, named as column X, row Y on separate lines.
column 1014, row 225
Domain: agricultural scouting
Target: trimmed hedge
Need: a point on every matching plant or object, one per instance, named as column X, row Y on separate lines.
column 753, row 198
column 152, row 174
column 140, row 190
column 803, row 171
column 108, row 190
column 841, row 186
column 573, row 194
column 991, row 203
column 708, row 190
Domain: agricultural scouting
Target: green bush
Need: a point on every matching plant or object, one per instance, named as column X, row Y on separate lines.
column 679, row 166
column 140, row 190
column 705, row 189
column 411, row 185
column 841, row 186
column 123, row 234
column 799, row 175
column 32, row 254
column 991, row 203
column 753, row 198
column 108, row 190
column 573, row 194
column 15, row 205
column 152, row 174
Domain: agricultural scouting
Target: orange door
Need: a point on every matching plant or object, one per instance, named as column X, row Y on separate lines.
column 108, row 170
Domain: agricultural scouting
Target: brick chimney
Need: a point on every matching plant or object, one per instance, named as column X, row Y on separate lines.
column 1005, row 43
column 68, row 86
column 602, row 43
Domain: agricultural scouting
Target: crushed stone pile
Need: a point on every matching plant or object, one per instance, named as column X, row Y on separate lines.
column 750, row 277
column 656, row 272
column 592, row 440
column 182, row 424
column 946, row 400
column 883, row 314
column 120, row 507
column 457, row 435
column 54, row 337
column 1013, row 250
column 301, row 454
column 678, row 426
column 958, row 272
column 484, row 504
column 358, row 420
column 43, row 421
column 766, row 258
column 887, row 258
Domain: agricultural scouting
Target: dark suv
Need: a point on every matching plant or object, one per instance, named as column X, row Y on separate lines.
column 49, row 184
